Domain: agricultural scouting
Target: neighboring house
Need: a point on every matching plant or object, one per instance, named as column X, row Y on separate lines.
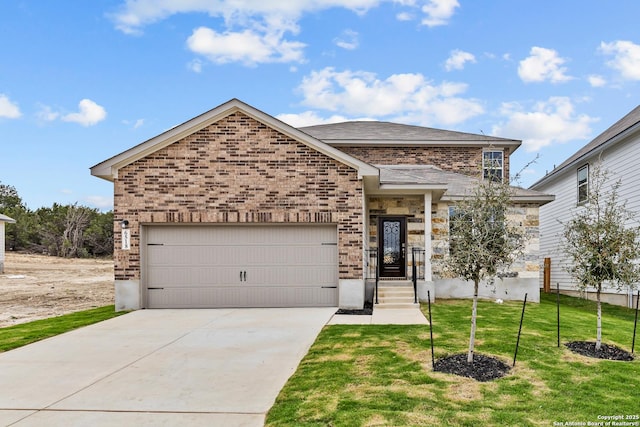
column 235, row 208
column 616, row 150
column 3, row 219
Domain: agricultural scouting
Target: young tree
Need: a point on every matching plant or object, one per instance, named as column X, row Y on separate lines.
column 601, row 244
column 482, row 241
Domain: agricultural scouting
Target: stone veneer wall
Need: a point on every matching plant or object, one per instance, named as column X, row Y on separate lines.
column 524, row 216
column 239, row 170
column 410, row 206
column 465, row 160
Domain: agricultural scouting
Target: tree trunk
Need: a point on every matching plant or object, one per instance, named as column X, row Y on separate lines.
column 599, row 324
column 474, row 312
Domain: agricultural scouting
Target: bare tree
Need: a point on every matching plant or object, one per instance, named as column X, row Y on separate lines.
column 76, row 221
column 482, row 240
column 601, row 245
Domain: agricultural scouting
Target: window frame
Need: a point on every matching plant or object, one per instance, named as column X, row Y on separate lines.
column 489, row 170
column 582, row 186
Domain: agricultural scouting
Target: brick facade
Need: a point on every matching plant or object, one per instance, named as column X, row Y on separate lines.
column 238, row 170
column 465, row 160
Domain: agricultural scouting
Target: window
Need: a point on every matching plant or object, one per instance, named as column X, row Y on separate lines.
column 583, row 184
column 492, row 165
column 484, row 228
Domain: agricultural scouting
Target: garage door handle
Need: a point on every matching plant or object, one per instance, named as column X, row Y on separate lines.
column 243, row 276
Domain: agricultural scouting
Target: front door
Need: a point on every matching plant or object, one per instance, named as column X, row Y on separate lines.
column 392, row 246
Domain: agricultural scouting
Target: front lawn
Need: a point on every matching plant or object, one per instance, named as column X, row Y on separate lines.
column 26, row 333
column 378, row 375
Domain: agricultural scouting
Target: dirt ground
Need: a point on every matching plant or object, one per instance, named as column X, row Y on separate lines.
column 37, row 286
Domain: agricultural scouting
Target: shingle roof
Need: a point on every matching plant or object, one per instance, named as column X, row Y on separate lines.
column 368, row 132
column 456, row 185
column 628, row 121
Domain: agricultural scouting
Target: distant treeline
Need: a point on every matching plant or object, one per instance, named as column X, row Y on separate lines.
column 69, row 231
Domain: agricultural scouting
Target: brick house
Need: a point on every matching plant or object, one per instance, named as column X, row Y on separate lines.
column 235, row 208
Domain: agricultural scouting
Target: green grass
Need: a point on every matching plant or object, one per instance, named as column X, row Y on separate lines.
column 26, row 333
column 379, row 375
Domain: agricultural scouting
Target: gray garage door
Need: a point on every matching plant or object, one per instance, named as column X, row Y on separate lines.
column 240, row 266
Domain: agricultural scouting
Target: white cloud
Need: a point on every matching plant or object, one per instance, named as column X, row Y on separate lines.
column 47, row 114
column 543, row 64
column 596, row 80
column 254, row 30
column 8, row 109
column 90, row 114
column 404, row 16
column 135, row 125
column 439, row 12
column 309, row 118
column 348, row 40
column 458, row 59
column 548, row 122
column 134, row 15
column 626, row 58
column 248, row 47
column 405, row 97
column 195, row 65
column 100, row 202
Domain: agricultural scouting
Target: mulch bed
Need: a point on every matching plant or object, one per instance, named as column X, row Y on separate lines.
column 483, row 368
column 609, row 352
column 366, row 311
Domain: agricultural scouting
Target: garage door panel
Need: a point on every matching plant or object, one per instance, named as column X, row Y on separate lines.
column 195, row 255
column 189, row 276
column 241, row 297
column 201, row 266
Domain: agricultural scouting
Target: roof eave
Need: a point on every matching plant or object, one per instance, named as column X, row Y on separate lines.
column 410, row 186
column 395, row 143
column 589, row 154
column 108, row 169
column 9, row 220
column 541, row 199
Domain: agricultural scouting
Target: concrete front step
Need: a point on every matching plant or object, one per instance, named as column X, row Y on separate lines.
column 392, row 293
column 389, row 283
column 396, row 296
column 396, row 305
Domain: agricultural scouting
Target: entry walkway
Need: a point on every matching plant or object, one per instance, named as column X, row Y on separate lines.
column 383, row 316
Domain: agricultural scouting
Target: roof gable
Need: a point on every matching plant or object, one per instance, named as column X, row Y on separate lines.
column 387, row 133
column 108, row 169
column 610, row 136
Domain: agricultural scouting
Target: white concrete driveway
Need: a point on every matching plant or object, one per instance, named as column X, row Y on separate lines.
column 220, row 367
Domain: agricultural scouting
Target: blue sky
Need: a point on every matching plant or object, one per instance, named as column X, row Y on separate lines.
column 82, row 81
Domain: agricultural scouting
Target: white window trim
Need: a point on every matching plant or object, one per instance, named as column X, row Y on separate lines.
column 486, row 167
column 585, row 184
